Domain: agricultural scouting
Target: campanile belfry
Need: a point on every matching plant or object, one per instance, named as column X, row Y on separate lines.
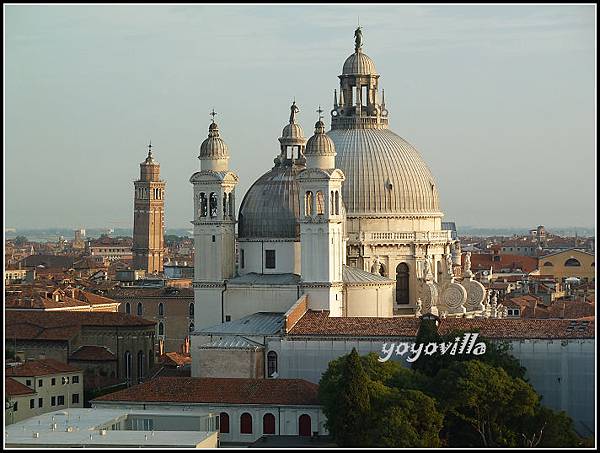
column 149, row 217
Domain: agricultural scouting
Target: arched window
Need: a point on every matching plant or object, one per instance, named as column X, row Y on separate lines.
column 268, row 424
column 271, row 363
column 203, row 205
column 191, row 326
column 304, row 426
column 140, row 366
column 213, row 204
column 548, row 263
column 337, row 203
column 161, row 328
column 246, row 423
column 402, row 284
column 332, row 204
column 572, row 262
column 224, row 422
column 127, row 366
column 230, row 203
column 192, row 310
column 140, row 309
column 128, row 308
column 320, row 203
column 224, row 205
column 308, row 209
column 161, row 309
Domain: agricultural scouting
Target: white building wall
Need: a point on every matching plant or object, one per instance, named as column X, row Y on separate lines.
column 241, row 301
column 287, row 257
column 207, row 306
column 286, row 417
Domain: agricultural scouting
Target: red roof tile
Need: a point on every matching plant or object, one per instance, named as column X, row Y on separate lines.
column 92, row 353
column 40, row 368
column 63, row 325
column 317, row 322
column 15, row 388
column 292, row 392
column 320, row 324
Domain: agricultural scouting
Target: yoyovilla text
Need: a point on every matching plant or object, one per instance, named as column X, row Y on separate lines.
column 467, row 346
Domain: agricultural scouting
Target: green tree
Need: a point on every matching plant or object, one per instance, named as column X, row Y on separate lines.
column 388, row 411
column 20, row 240
column 482, row 404
column 548, row 428
column 345, row 399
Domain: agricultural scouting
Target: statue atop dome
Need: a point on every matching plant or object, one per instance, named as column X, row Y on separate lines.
column 294, row 109
column 358, row 39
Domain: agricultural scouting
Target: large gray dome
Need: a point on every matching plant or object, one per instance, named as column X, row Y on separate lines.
column 384, row 174
column 271, row 207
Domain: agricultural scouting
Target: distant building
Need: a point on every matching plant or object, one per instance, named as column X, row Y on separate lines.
column 149, row 217
column 112, row 249
column 79, row 241
column 127, row 340
column 567, row 264
column 172, row 309
column 52, row 385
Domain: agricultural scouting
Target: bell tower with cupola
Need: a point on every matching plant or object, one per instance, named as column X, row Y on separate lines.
column 149, row 217
column 214, row 228
column 322, row 224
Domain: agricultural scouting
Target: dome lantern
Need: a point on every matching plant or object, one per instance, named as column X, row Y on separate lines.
column 320, row 150
column 292, row 141
column 214, row 152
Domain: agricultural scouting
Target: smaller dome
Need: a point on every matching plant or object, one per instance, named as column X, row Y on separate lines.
column 213, row 147
column 359, row 64
column 293, row 131
column 319, row 144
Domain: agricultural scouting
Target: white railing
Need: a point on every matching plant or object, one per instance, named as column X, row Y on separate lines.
column 443, row 235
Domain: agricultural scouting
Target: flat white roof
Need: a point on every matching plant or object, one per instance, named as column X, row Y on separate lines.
column 87, row 421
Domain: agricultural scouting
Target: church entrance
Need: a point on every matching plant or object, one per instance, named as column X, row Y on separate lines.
column 402, row 284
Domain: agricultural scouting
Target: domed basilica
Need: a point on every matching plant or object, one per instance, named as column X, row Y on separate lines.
column 348, row 221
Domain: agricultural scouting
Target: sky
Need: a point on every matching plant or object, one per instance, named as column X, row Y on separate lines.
column 499, row 101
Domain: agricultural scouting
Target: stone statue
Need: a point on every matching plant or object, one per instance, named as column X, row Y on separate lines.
column 376, row 268
column 294, row 110
column 419, row 308
column 449, row 264
column 468, row 272
column 358, row 38
column 427, row 275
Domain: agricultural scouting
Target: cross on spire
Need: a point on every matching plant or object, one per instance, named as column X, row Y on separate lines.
column 213, row 113
column 320, row 111
column 150, row 147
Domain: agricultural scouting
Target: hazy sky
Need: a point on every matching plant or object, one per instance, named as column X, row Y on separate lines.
column 499, row 101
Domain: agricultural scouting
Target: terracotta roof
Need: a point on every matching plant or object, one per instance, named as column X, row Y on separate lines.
column 15, row 388
column 506, row 328
column 40, row 368
column 63, row 325
column 483, row 261
column 320, row 324
column 92, row 353
column 292, row 392
column 175, row 359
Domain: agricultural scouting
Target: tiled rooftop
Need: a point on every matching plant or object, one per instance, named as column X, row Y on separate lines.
column 41, row 367
column 15, row 388
column 92, row 353
column 320, row 324
column 292, row 392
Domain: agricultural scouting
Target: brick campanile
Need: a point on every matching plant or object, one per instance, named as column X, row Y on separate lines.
column 149, row 217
